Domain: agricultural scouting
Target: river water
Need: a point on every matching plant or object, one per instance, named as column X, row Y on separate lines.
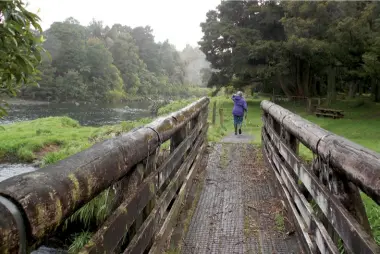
column 86, row 114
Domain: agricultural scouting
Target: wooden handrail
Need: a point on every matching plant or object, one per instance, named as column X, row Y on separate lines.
column 339, row 168
column 359, row 164
column 48, row 196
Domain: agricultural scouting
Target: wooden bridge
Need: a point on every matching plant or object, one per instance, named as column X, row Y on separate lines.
column 322, row 199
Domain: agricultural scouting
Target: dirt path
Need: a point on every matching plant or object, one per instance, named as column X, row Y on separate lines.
column 239, row 210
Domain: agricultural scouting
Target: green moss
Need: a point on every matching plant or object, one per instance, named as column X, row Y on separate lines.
column 280, row 223
column 41, row 216
column 75, row 190
column 58, row 214
column 152, row 188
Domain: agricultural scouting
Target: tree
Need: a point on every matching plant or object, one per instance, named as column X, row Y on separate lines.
column 298, row 48
column 20, row 47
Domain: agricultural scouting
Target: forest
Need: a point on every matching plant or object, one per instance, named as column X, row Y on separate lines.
column 101, row 63
column 295, row 48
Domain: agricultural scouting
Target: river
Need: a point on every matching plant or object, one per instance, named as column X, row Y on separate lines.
column 86, row 114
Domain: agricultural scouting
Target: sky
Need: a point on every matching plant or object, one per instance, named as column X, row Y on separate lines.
column 176, row 20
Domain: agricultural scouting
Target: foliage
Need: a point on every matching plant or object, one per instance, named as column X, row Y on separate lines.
column 79, row 241
column 96, row 63
column 297, row 48
column 20, row 47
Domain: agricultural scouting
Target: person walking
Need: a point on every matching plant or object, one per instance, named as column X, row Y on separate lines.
column 240, row 108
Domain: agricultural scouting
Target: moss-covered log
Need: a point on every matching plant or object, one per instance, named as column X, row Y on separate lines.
column 50, row 195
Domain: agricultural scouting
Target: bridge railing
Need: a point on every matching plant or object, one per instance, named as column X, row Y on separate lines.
column 324, row 196
column 34, row 205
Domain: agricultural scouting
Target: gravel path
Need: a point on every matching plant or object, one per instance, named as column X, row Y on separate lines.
column 239, row 210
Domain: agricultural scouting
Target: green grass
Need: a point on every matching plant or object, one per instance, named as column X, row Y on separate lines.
column 79, row 241
column 174, row 106
column 51, row 139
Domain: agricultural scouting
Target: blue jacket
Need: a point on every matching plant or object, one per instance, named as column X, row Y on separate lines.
column 240, row 105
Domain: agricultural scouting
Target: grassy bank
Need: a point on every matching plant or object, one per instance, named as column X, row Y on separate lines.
column 48, row 140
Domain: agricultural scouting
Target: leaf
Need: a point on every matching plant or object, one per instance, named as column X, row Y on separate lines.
column 14, row 41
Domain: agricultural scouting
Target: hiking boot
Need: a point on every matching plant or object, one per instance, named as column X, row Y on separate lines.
column 239, row 131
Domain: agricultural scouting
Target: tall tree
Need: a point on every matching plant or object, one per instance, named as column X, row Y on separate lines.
column 20, row 47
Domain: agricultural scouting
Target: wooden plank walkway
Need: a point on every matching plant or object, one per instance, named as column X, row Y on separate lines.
column 239, row 210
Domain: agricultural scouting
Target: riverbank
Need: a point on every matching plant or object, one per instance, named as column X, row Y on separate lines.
column 47, row 140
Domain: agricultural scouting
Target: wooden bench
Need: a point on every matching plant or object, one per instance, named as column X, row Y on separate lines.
column 326, row 112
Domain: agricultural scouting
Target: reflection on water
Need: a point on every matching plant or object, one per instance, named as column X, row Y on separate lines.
column 92, row 115
column 10, row 170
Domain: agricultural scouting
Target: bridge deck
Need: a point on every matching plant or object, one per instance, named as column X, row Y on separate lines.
column 239, row 210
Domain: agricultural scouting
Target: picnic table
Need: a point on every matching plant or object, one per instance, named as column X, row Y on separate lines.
column 327, row 112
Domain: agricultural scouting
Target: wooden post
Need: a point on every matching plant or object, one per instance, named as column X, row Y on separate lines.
column 309, row 105
column 221, row 117
column 214, row 113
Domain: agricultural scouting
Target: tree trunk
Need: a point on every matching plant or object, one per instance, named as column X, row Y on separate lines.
column 331, row 85
column 352, row 90
column 360, row 89
column 284, row 87
column 306, row 80
column 298, row 77
column 375, row 90
column 314, row 90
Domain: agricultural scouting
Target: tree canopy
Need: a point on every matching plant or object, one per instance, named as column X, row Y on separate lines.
column 298, row 48
column 101, row 63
